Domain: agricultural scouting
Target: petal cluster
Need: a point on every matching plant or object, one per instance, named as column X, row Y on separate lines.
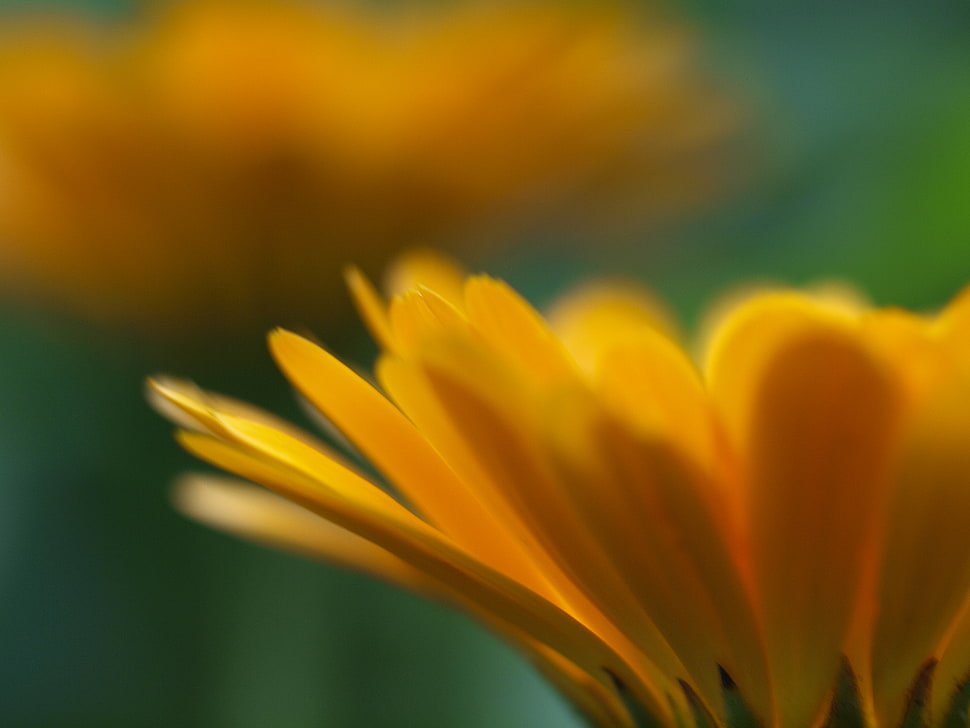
column 774, row 533
column 277, row 139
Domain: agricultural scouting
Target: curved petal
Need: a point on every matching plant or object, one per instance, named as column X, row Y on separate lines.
column 925, row 576
column 652, row 386
column 493, row 419
column 401, row 452
column 260, row 515
column 816, row 475
column 514, row 329
column 654, row 513
column 371, row 308
column 597, row 317
column 270, row 458
column 421, row 314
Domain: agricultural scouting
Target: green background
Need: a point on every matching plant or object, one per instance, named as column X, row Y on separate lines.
column 114, row 611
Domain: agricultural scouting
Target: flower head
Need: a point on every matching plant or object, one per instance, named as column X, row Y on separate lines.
column 777, row 534
column 219, row 163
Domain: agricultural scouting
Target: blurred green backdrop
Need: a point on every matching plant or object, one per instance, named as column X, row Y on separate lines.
column 116, row 611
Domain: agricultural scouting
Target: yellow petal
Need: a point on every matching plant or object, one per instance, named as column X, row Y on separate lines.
column 834, row 296
column 953, row 327
column 510, row 325
column 816, row 474
column 264, row 454
column 599, row 316
column 652, row 386
column 955, row 316
column 281, row 464
column 371, row 307
column 907, row 343
column 493, row 418
column 399, row 451
column 412, row 391
column 424, row 268
column 658, row 519
column 925, row 576
column 409, row 384
column 193, row 408
column 260, row 515
column 421, row 314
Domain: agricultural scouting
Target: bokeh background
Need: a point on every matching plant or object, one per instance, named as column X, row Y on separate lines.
column 850, row 159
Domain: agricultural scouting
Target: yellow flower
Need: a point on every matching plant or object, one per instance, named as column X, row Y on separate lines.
column 777, row 534
column 220, row 163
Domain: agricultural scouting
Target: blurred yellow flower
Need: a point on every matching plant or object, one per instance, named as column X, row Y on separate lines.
column 776, row 535
column 223, row 161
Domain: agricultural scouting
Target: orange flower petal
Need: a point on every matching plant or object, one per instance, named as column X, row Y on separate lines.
column 816, row 474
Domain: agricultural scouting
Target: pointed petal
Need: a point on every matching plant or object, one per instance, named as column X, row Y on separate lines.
column 659, row 520
column 360, row 412
column 272, row 459
column 651, row 385
column 493, row 415
column 262, row 454
column 260, row 515
column 510, row 325
column 192, row 408
column 424, row 268
column 413, row 390
column 400, row 451
column 421, row 314
column 371, row 308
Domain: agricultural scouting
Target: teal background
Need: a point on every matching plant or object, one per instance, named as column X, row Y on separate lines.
column 114, row 611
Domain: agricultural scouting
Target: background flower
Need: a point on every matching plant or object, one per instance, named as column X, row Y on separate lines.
column 218, row 162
